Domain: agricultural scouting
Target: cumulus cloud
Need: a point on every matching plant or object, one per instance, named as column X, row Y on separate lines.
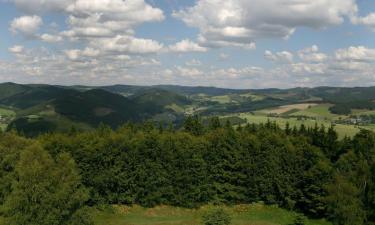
column 187, row 46
column 124, row 44
column 90, row 66
column 51, row 38
column 280, row 57
column 356, row 53
column 239, row 22
column 26, row 25
column 312, row 54
column 368, row 21
column 39, row 6
column 17, row 49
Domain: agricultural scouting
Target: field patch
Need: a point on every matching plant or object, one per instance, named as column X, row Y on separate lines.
column 286, row 108
column 320, row 111
column 251, row 214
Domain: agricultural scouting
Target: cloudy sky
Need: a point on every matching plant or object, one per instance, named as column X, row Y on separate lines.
column 224, row 43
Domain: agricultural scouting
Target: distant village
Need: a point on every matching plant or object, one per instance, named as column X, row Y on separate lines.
column 358, row 120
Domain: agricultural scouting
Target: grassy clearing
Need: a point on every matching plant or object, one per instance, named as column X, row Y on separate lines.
column 176, row 108
column 287, row 108
column 342, row 130
column 223, row 99
column 253, row 97
column 319, row 111
column 359, row 112
column 7, row 112
column 254, row 214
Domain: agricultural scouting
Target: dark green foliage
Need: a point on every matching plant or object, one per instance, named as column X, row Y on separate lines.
column 32, row 127
column 299, row 220
column 10, row 89
column 160, row 98
column 216, row 217
column 304, row 169
column 36, row 95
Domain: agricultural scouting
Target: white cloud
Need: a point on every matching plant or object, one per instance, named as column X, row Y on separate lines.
column 312, row 54
column 17, row 49
column 186, row 46
column 123, row 44
column 51, row 38
column 39, row 6
column 280, row 57
column 26, row 25
column 359, row 53
column 368, row 21
column 238, row 22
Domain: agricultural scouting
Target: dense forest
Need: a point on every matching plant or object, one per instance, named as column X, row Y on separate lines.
column 55, row 178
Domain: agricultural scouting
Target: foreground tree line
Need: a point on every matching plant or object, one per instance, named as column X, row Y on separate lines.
column 54, row 178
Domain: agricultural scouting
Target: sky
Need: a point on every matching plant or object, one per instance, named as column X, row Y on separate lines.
column 223, row 43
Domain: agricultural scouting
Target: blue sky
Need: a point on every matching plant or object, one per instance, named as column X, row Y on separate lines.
column 225, row 43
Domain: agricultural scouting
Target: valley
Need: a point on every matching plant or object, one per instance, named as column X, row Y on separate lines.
column 37, row 109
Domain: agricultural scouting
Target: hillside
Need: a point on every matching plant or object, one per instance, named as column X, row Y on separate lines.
column 11, row 89
column 46, row 108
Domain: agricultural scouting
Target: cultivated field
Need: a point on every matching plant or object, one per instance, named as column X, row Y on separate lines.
column 255, row 214
column 288, row 108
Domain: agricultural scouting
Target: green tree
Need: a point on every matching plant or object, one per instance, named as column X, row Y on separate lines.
column 45, row 191
column 343, row 203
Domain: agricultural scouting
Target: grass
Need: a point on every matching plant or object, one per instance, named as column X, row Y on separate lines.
column 223, row 99
column 254, row 214
column 287, row 108
column 8, row 115
column 342, row 130
column 363, row 112
column 320, row 111
column 7, row 112
column 176, row 108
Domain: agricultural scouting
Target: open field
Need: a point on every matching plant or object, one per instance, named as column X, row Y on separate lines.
column 5, row 116
column 6, row 112
column 318, row 111
column 342, row 130
column 255, row 214
column 287, row 108
column 363, row 112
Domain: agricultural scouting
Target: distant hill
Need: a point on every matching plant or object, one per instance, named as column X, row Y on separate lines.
column 31, row 96
column 98, row 106
column 42, row 108
column 160, row 98
column 11, row 89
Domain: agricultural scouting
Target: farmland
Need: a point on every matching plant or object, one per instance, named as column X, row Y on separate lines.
column 307, row 114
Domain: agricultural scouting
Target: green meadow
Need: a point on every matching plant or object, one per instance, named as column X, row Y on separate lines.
column 254, row 214
column 342, row 130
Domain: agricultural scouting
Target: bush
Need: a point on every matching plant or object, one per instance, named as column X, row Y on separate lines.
column 299, row 220
column 217, row 217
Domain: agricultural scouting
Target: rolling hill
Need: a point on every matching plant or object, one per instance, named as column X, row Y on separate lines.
column 44, row 108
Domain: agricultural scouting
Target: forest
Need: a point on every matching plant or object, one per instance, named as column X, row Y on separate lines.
column 56, row 178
